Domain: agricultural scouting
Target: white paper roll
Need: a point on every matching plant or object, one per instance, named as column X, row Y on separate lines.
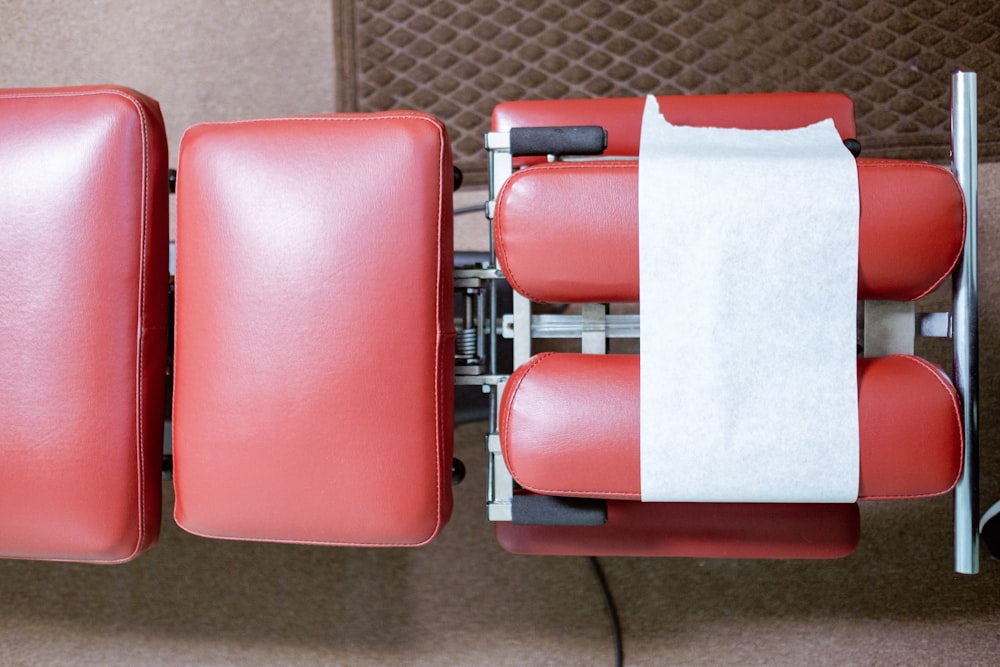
column 748, row 245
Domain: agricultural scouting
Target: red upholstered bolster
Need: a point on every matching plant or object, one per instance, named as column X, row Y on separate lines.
column 83, row 313
column 568, row 232
column 314, row 353
column 698, row 530
column 569, row 425
column 622, row 117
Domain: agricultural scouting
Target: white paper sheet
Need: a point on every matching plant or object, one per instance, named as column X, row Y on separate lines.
column 748, row 277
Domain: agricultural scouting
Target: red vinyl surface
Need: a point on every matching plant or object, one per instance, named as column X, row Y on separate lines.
column 314, row 349
column 569, row 426
column 622, row 116
column 83, row 314
column 697, row 530
column 912, row 230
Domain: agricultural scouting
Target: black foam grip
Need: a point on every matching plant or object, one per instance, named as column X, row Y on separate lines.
column 570, row 140
column 558, row 511
column 989, row 530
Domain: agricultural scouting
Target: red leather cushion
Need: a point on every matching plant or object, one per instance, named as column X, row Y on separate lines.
column 622, row 116
column 314, row 349
column 569, row 232
column 569, row 426
column 83, row 311
column 698, row 530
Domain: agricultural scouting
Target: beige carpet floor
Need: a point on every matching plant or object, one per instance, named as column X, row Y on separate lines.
column 462, row 601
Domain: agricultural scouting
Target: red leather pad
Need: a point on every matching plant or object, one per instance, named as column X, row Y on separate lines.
column 569, row 232
column 697, row 530
column 622, row 116
column 83, row 311
column 314, row 349
column 569, row 426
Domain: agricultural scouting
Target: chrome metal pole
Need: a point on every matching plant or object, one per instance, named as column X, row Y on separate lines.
column 966, row 322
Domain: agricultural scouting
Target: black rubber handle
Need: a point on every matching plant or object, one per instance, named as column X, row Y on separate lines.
column 558, row 511
column 570, row 140
column 989, row 530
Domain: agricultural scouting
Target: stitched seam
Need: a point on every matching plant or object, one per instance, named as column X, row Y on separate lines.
column 577, row 493
column 336, row 118
column 439, row 343
column 143, row 277
column 83, row 92
column 143, row 243
column 505, row 436
column 278, row 540
column 140, row 462
column 501, row 245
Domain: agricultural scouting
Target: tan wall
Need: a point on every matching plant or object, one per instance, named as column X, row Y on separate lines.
column 201, row 59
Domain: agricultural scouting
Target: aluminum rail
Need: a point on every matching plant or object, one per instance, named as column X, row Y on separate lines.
column 966, row 322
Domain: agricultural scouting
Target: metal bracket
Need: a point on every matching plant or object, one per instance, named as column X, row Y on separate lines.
column 500, row 483
column 889, row 328
column 594, row 338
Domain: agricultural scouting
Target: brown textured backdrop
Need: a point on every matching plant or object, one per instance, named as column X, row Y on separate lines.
column 458, row 58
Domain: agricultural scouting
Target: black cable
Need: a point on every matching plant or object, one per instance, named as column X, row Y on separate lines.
column 609, row 603
column 472, row 208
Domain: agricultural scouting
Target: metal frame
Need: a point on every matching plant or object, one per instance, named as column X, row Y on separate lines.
column 500, row 489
